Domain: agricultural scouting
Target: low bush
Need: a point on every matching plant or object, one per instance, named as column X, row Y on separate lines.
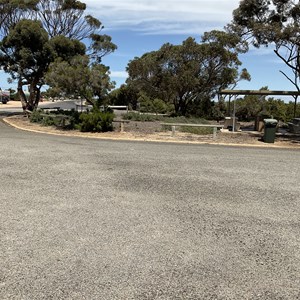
column 185, row 120
column 73, row 120
column 48, row 121
column 96, row 121
column 196, row 130
column 52, row 119
column 134, row 116
column 182, row 119
column 36, row 117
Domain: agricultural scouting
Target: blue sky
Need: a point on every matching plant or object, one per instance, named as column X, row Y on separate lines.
column 141, row 26
column 144, row 25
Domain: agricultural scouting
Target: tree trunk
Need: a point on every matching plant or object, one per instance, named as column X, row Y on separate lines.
column 22, row 95
column 37, row 97
column 176, row 106
column 295, row 106
column 32, row 97
column 90, row 101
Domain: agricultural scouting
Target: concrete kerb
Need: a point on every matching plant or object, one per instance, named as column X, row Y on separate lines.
column 7, row 121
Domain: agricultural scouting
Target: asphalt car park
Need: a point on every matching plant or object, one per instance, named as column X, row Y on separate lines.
column 95, row 219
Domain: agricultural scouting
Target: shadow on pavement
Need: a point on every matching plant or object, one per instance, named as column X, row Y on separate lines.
column 4, row 114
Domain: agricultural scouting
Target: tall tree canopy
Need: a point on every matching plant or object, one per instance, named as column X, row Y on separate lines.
column 37, row 32
column 12, row 11
column 59, row 17
column 277, row 22
column 190, row 74
column 80, row 79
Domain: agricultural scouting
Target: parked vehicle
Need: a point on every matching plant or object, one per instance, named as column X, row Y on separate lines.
column 4, row 96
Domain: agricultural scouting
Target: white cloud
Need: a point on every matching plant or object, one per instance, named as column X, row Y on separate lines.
column 163, row 16
column 119, row 74
column 261, row 51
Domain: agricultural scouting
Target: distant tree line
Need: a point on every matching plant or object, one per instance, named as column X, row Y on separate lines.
column 247, row 108
column 187, row 77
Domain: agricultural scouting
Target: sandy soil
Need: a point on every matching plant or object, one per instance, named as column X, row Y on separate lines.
column 15, row 104
column 11, row 104
column 152, row 131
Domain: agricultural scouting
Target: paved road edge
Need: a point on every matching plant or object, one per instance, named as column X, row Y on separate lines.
column 7, row 121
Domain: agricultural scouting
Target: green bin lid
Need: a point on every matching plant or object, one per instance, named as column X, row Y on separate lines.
column 271, row 121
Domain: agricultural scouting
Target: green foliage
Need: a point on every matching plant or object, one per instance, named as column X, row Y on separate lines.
column 72, row 120
column 38, row 32
column 187, row 75
column 49, row 121
column 196, row 130
column 133, row 116
column 182, row 119
column 12, row 11
column 145, row 103
column 277, row 109
column 26, row 53
column 276, row 23
column 144, row 117
column 78, row 78
column 159, row 106
column 66, row 18
column 156, row 105
column 53, row 119
column 290, row 107
column 25, row 50
column 193, row 130
column 249, row 107
column 65, row 49
column 96, row 121
column 219, row 110
column 101, row 46
column 35, row 116
column 125, row 95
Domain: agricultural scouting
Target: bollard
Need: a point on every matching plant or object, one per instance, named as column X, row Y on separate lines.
column 173, row 130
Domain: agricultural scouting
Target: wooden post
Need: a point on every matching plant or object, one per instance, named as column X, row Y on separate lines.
column 122, row 126
column 215, row 132
column 173, row 130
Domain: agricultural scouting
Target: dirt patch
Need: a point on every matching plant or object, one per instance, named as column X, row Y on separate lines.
column 153, row 131
column 16, row 104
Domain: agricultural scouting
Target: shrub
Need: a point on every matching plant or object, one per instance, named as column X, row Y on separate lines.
column 133, row 116
column 53, row 119
column 48, row 121
column 74, row 118
column 196, row 130
column 185, row 120
column 35, row 117
column 182, row 119
column 96, row 121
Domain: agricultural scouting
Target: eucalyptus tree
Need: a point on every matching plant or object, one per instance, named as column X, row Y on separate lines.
column 37, row 32
column 13, row 11
column 188, row 75
column 79, row 78
column 272, row 22
column 26, row 54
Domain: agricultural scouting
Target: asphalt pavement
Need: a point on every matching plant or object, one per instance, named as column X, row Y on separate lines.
column 94, row 219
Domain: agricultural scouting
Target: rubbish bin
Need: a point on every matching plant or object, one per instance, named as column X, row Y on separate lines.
column 270, row 130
